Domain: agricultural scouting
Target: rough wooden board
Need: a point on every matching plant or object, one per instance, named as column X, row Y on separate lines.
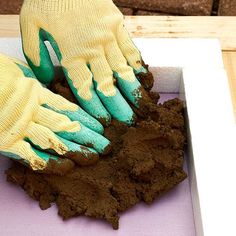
column 222, row 28
column 9, row 26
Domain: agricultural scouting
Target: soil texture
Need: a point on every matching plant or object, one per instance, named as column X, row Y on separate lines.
column 146, row 161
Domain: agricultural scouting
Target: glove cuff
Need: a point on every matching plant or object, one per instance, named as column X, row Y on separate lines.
column 55, row 5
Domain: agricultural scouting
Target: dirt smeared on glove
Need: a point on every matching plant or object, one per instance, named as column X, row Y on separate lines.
column 146, row 162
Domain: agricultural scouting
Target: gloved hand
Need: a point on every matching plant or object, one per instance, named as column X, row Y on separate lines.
column 93, row 48
column 36, row 124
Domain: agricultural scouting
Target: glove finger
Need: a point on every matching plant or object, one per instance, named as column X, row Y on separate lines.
column 44, row 139
column 129, row 50
column 102, row 75
column 61, row 105
column 108, row 93
column 38, row 160
column 55, row 121
column 124, row 74
column 55, row 164
column 88, row 138
column 72, row 131
column 18, row 69
column 81, row 155
column 24, row 68
column 79, row 78
column 36, row 52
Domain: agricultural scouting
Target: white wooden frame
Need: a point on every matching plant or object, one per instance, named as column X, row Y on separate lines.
column 194, row 69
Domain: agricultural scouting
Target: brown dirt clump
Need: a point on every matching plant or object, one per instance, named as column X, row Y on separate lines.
column 146, row 161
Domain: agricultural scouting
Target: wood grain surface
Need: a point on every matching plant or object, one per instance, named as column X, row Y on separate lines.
column 223, row 28
column 229, row 58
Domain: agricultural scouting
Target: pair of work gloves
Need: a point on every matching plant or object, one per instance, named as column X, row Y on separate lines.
column 38, row 127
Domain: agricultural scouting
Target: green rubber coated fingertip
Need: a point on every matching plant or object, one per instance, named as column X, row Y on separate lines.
column 82, row 117
column 118, row 107
column 88, row 138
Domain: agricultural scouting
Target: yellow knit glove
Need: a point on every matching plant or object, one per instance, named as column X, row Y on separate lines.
column 36, row 124
column 92, row 45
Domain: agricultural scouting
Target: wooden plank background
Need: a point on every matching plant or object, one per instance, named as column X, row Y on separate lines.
column 223, row 28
